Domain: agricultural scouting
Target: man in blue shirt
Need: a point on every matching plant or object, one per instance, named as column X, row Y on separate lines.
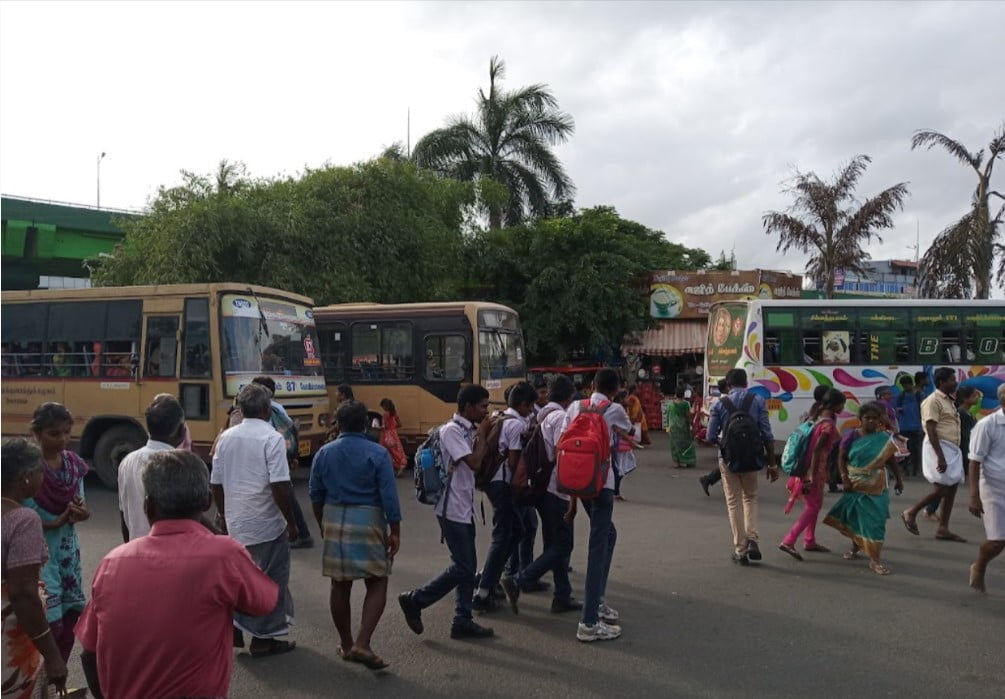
column 739, row 481
column 355, row 502
column 909, row 415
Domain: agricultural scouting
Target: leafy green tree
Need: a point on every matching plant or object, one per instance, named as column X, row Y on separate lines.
column 380, row 231
column 509, row 141
column 960, row 261
column 827, row 221
column 577, row 281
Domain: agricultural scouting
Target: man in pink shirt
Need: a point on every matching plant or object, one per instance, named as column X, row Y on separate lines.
column 161, row 611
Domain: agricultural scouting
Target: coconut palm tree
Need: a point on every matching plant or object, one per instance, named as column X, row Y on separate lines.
column 960, row 261
column 827, row 221
column 509, row 142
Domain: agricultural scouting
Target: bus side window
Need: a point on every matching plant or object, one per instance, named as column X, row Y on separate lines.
column 812, row 353
column 162, row 347
column 196, row 362
column 772, row 347
column 445, row 358
column 952, row 341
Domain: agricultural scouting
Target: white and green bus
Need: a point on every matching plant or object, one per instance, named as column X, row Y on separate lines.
column 788, row 348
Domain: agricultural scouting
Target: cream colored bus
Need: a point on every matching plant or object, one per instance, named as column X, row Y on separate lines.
column 106, row 352
column 419, row 355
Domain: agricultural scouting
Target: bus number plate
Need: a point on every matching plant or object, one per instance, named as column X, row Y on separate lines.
column 304, row 449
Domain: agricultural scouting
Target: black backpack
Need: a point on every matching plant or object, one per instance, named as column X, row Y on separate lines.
column 742, row 444
column 533, row 472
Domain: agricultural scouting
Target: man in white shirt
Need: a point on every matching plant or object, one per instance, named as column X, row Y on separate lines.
column 165, row 420
column 556, row 528
column 456, row 514
column 987, row 487
column 251, row 487
column 599, row 621
column 507, row 529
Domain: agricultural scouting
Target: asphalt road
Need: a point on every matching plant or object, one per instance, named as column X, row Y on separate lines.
column 695, row 624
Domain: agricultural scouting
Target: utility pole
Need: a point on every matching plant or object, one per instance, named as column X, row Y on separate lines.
column 100, row 158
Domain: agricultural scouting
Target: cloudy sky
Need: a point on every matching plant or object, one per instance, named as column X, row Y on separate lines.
column 688, row 116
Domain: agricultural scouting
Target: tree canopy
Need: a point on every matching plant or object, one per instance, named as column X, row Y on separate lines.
column 828, row 222
column 509, row 142
column 382, row 231
column 577, row 281
column 961, row 259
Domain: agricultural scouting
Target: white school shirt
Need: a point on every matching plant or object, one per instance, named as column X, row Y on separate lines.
column 552, row 427
column 987, row 447
column 509, row 439
column 456, row 439
column 131, row 490
column 614, row 416
column 249, row 458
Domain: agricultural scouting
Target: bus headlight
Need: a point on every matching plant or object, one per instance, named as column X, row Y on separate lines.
column 323, row 420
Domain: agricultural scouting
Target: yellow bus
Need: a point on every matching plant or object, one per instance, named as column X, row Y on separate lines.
column 106, row 352
column 419, row 355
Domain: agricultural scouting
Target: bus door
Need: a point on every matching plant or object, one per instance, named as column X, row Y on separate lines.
column 158, row 370
column 195, row 374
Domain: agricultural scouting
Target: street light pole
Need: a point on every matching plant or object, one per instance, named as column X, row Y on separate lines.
column 100, row 157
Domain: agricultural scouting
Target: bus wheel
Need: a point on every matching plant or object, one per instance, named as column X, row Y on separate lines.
column 114, row 444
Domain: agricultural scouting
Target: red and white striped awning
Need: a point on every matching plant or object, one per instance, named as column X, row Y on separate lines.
column 669, row 339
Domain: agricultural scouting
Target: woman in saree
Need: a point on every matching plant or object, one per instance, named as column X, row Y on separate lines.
column 389, row 436
column 861, row 513
column 60, row 504
column 635, row 413
column 31, row 657
column 677, row 419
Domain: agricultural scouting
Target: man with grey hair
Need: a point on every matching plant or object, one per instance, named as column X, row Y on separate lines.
column 987, row 487
column 251, row 487
column 159, row 619
column 165, row 420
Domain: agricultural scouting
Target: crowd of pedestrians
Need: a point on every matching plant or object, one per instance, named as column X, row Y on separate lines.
column 177, row 641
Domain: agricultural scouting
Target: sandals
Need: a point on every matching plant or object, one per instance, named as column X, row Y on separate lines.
column 851, row 555
column 274, row 647
column 368, row 659
column 791, row 550
column 878, row 568
column 911, row 525
column 949, row 536
column 816, row 548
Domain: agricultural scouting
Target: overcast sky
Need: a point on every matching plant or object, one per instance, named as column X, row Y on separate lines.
column 688, row 116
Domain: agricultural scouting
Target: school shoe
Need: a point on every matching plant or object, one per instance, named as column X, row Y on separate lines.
column 704, row 485
column 413, row 613
column 469, row 629
column 484, row 605
column 498, row 591
column 753, row 550
column 535, row 586
column 512, row 593
column 565, row 604
column 608, row 615
column 598, row 632
column 741, row 559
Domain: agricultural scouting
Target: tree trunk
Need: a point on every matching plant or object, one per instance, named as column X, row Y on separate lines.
column 495, row 218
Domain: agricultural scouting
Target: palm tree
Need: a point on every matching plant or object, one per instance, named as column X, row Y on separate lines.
column 509, row 141
column 827, row 221
column 961, row 259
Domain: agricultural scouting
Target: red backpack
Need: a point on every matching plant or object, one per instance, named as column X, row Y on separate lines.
column 584, row 452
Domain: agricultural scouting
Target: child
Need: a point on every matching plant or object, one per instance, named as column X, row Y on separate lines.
column 389, row 437
column 624, row 458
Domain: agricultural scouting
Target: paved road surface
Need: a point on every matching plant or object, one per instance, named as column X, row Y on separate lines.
column 695, row 625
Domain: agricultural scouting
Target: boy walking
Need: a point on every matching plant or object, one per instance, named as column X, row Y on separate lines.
column 456, row 514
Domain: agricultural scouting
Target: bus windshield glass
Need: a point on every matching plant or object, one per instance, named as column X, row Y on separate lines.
column 500, row 346
column 275, row 338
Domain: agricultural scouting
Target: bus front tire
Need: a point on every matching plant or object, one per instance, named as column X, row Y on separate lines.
column 114, row 444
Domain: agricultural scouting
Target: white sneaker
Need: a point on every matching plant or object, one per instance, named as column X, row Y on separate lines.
column 608, row 615
column 598, row 632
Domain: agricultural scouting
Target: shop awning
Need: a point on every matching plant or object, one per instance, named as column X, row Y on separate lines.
column 669, row 339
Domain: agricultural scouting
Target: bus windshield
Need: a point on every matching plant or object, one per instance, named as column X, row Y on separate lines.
column 500, row 346
column 276, row 338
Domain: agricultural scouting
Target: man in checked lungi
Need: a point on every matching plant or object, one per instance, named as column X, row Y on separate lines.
column 251, row 488
column 355, row 501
